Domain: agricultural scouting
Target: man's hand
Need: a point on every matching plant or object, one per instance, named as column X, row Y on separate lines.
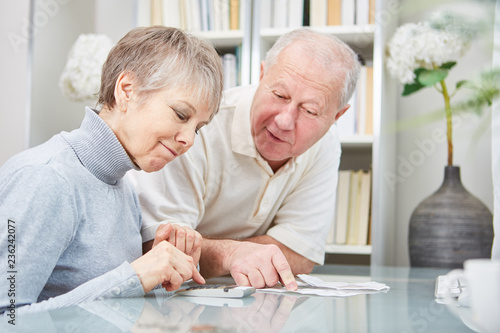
column 250, row 264
column 259, row 266
column 298, row 263
column 183, row 238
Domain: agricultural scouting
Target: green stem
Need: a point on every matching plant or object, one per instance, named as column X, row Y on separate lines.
column 448, row 121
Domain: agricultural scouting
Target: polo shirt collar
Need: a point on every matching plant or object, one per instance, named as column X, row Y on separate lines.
column 241, row 134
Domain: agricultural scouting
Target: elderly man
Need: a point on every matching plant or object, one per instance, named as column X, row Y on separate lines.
column 259, row 183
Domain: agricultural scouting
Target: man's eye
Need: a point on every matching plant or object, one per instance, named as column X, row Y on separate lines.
column 313, row 113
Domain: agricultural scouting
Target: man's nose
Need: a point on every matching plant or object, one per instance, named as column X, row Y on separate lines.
column 287, row 117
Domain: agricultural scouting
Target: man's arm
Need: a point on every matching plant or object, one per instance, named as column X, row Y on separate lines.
column 298, row 263
column 249, row 263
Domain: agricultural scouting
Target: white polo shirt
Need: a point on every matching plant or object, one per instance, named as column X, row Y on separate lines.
column 223, row 188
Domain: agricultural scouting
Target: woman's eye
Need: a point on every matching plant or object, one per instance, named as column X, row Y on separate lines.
column 180, row 115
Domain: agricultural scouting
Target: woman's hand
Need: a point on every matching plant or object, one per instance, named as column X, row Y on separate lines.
column 183, row 238
column 165, row 265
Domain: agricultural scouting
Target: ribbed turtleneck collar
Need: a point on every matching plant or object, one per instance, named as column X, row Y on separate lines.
column 98, row 149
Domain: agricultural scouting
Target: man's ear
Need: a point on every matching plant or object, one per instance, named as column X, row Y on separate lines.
column 123, row 90
column 342, row 111
column 262, row 68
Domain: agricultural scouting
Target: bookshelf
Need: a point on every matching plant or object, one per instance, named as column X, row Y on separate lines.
column 375, row 151
column 349, row 249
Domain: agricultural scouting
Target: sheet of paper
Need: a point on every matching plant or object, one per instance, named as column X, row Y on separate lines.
column 311, row 285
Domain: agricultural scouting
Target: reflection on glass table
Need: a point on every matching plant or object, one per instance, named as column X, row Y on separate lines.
column 409, row 306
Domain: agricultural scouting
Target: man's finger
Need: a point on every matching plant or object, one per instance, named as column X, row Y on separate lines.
column 180, row 239
column 241, row 279
column 284, row 271
column 256, row 278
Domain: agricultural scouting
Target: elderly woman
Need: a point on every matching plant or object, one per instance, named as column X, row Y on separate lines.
column 71, row 221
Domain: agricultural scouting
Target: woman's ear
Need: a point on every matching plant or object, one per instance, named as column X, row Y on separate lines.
column 123, row 90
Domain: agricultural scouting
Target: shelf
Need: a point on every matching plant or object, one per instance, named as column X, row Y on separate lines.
column 357, row 141
column 223, row 39
column 348, row 249
column 360, row 38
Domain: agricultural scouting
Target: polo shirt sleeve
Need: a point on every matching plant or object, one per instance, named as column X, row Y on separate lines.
column 304, row 219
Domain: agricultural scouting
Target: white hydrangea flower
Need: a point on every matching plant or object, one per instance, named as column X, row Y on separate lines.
column 81, row 77
column 418, row 45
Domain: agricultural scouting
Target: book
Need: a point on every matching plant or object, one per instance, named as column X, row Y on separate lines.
column 334, row 12
column 234, row 14
column 348, row 12
column 342, row 206
column 221, row 15
column 171, row 13
column 318, row 13
column 266, row 14
column 210, row 14
column 361, row 102
column 156, row 12
column 203, row 5
column 371, row 12
column 362, row 12
column 363, row 207
column 193, row 17
column 295, row 13
column 183, row 15
column 280, row 12
column 229, row 65
column 216, row 12
column 369, row 101
column 225, row 14
column 354, row 200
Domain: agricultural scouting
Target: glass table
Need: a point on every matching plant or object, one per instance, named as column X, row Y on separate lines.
column 409, row 306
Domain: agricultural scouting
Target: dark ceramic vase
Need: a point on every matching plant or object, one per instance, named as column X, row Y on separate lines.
column 450, row 226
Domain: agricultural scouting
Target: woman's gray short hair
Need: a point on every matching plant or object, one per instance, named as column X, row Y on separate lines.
column 326, row 49
column 159, row 57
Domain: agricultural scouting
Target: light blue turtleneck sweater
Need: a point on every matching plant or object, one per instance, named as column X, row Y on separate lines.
column 76, row 221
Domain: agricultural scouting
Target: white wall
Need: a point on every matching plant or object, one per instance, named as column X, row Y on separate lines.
column 14, row 16
column 52, row 112
column 423, row 176
column 31, row 114
column 495, row 143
